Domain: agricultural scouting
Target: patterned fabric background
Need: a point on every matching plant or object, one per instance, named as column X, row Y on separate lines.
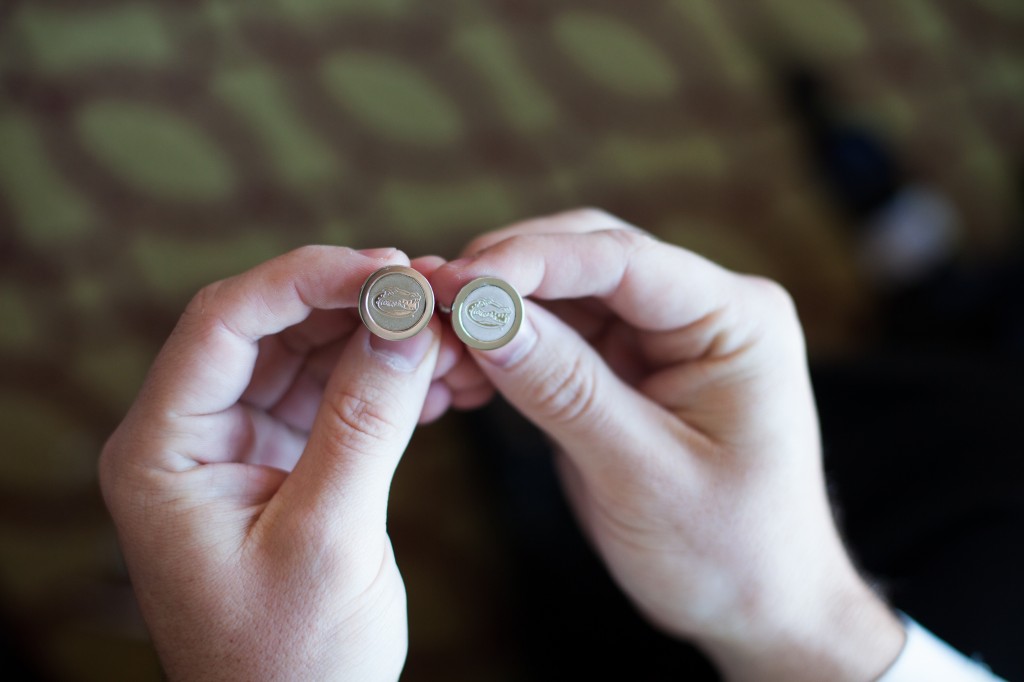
column 147, row 148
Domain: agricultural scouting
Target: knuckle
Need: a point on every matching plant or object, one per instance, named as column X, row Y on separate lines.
column 120, row 483
column 567, row 393
column 202, row 314
column 593, row 215
column 631, row 240
column 773, row 305
column 361, row 420
column 204, row 299
column 314, row 252
column 108, row 470
column 478, row 244
column 510, row 246
column 307, row 251
column 201, row 321
column 773, row 295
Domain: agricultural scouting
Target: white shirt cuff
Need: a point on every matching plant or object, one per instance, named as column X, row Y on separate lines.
column 925, row 658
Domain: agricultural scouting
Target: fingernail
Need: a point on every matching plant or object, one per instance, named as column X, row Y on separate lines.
column 512, row 352
column 405, row 355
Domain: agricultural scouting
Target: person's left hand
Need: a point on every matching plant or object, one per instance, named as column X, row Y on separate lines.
column 249, row 481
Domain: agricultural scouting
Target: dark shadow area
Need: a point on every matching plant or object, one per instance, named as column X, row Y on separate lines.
column 923, row 453
column 569, row 619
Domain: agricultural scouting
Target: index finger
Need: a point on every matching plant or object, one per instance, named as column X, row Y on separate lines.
column 651, row 285
column 575, row 221
column 208, row 360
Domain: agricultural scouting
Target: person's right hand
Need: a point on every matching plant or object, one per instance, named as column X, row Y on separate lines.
column 249, row 482
column 679, row 397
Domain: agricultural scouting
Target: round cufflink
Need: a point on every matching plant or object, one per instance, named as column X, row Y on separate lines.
column 487, row 313
column 396, row 302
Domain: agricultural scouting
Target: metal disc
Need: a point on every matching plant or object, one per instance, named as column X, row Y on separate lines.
column 487, row 313
column 396, row 302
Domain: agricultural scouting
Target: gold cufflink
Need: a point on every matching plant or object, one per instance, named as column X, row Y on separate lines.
column 396, row 302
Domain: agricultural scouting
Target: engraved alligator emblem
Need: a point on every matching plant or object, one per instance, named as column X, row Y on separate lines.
column 396, row 302
column 486, row 312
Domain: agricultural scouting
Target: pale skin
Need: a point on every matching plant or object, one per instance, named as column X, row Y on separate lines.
column 249, row 481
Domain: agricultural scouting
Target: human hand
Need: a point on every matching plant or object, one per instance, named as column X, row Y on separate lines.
column 249, row 481
column 678, row 396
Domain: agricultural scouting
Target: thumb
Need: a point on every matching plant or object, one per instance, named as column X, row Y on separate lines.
column 369, row 410
column 560, row 383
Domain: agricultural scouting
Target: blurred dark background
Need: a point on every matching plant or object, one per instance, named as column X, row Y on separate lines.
column 868, row 154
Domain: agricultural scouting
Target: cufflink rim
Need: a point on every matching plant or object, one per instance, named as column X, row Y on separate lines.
column 460, row 300
column 364, row 303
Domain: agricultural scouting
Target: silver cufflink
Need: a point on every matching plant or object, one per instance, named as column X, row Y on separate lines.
column 487, row 313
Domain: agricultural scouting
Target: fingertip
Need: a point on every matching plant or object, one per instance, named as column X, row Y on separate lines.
column 466, row 375
column 472, row 399
column 437, row 402
column 451, row 352
column 427, row 264
column 460, row 263
column 448, row 278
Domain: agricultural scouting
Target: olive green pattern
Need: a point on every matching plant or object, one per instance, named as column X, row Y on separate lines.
column 147, row 148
